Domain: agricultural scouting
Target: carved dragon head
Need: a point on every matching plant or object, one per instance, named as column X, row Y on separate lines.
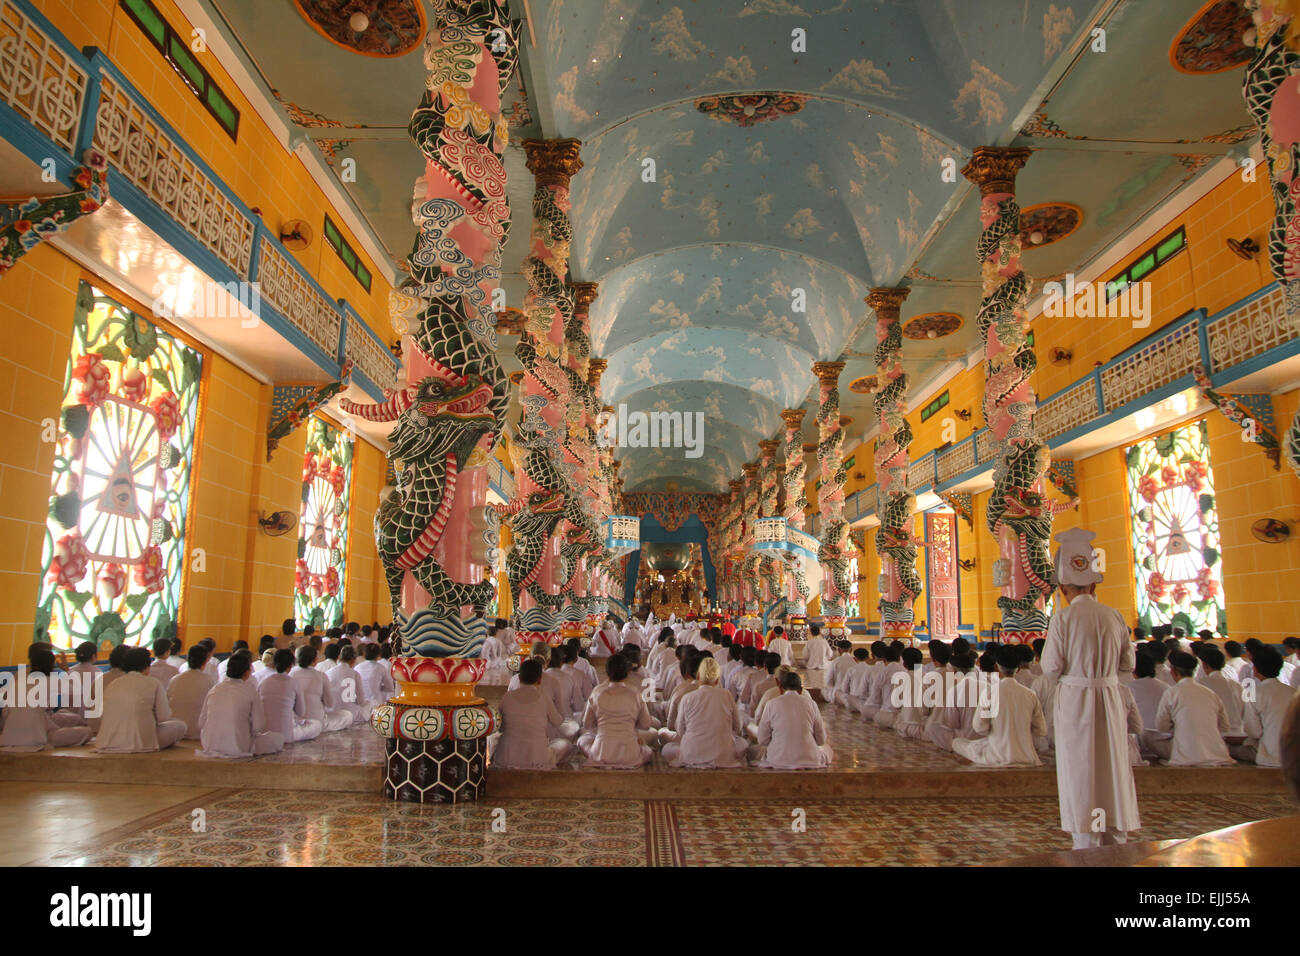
column 433, row 416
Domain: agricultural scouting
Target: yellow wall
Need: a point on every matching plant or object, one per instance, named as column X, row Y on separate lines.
column 1207, row 275
column 245, row 585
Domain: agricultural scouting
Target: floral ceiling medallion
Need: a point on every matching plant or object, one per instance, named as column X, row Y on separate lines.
column 387, row 27
column 931, row 325
column 749, row 109
column 1048, row 222
column 1212, row 40
column 864, row 385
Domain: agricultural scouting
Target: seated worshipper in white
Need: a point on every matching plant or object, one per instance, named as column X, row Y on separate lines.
column 817, row 658
column 1036, row 666
column 730, row 664
column 86, row 673
column 558, row 685
column 855, row 685
column 163, row 668
column 348, row 689
column 1291, row 663
column 955, row 720
column 606, row 641
column 708, row 725
column 690, row 669
column 768, row 662
column 662, row 655
column 530, row 736
column 913, row 714
column 670, row 678
column 189, row 689
column 780, row 644
column 791, row 735
column 582, row 684
column 1265, row 713
column 1237, row 667
column 284, row 703
column 1025, row 673
column 265, row 666
column 542, row 652
column 583, row 661
column 890, row 696
column 755, row 669
column 322, row 702
column 494, row 651
column 1190, row 722
column 28, row 723
column 836, row 671
column 635, row 676
column 1210, row 674
column 233, row 722
column 1012, row 728
column 240, row 645
column 614, row 714
column 329, row 657
column 137, row 717
column 376, row 676
column 878, row 690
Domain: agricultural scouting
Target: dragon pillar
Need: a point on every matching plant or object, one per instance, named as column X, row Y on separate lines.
column 895, row 543
column 435, row 536
column 830, row 496
column 796, row 500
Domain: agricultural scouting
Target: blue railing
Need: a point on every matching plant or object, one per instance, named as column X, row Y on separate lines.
column 1252, row 333
column 81, row 98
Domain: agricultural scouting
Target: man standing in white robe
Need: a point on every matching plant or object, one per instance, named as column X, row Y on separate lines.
column 780, row 644
column 1087, row 649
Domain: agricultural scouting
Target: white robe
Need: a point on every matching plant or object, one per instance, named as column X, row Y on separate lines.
column 1011, row 732
column 377, row 681
column 529, row 722
column 1195, row 716
column 709, row 725
column 322, row 702
column 1230, row 693
column 233, row 723
column 137, row 717
column 1087, row 648
column 1264, row 718
column 781, row 645
column 816, row 654
column 614, row 714
column 1147, row 692
column 350, row 692
column 285, row 706
column 27, row 729
column 164, row 671
column 791, row 735
column 186, row 694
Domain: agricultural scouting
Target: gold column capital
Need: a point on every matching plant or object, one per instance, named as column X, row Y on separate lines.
column 584, row 293
column 828, row 373
column 993, row 168
column 886, row 301
column 793, row 417
column 553, row 162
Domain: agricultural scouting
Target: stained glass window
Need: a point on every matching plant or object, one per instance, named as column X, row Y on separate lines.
column 320, row 579
column 1176, row 531
column 114, row 554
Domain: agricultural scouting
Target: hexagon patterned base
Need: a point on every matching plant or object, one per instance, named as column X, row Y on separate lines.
column 441, row 771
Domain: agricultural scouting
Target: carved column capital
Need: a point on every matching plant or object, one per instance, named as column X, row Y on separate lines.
column 828, row 373
column 886, row 301
column 584, row 293
column 553, row 161
column 768, row 447
column 993, row 168
column 793, row 417
column 595, row 368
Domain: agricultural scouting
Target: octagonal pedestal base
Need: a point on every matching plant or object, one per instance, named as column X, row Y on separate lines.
column 439, row 771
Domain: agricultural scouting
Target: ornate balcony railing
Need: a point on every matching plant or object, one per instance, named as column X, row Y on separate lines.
column 41, row 81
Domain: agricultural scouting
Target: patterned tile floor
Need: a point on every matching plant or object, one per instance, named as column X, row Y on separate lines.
column 251, row 828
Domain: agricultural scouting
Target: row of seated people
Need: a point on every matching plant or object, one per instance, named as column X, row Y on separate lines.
column 704, row 709
column 235, row 708
column 1180, row 707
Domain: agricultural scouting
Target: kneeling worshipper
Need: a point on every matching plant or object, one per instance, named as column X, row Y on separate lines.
column 233, row 722
column 839, row 666
column 137, row 715
column 376, row 676
column 1015, row 723
column 284, row 703
column 163, row 667
column 1191, row 721
column 768, row 662
column 85, row 673
column 912, row 716
column 583, row 683
column 708, row 724
column 791, row 735
column 189, row 689
column 955, row 719
column 560, row 686
column 29, row 722
column 780, row 644
column 606, row 642
column 322, row 704
column 816, row 658
column 614, row 714
column 348, row 689
column 1265, row 715
column 690, row 669
column 1087, row 650
column 530, row 736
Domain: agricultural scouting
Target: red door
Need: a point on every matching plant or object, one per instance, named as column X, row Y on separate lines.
column 941, row 574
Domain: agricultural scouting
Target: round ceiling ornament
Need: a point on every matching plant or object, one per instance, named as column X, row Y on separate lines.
column 865, row 385
column 1212, row 41
column 932, row 325
column 1048, row 222
column 381, row 28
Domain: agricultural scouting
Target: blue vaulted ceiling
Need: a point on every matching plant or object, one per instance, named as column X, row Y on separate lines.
column 854, row 183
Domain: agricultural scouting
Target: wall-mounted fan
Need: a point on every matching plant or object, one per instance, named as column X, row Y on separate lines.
column 277, row 523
